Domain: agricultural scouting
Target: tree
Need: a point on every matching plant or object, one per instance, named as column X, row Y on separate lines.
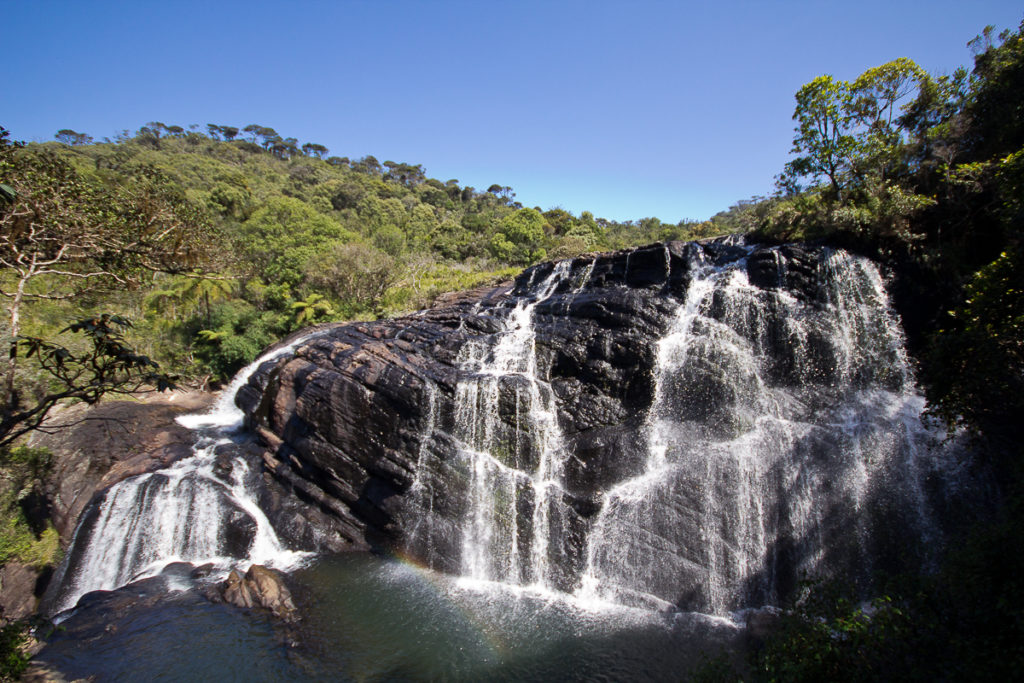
column 70, row 137
column 879, row 98
column 519, row 237
column 878, row 91
column 312, row 149
column 62, row 235
column 853, row 133
column 189, row 293
column 355, row 273
column 282, row 235
column 996, row 109
column 368, row 165
column 313, row 309
column 824, row 134
column 108, row 366
column 282, row 148
column 406, row 174
column 931, row 121
column 256, row 131
column 558, row 221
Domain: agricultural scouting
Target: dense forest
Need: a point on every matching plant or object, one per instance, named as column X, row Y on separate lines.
column 258, row 236
column 174, row 255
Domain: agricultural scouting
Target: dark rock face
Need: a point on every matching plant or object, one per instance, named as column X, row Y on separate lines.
column 378, row 428
column 344, row 419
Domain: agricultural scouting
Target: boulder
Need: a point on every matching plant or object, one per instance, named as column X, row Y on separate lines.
column 259, row 587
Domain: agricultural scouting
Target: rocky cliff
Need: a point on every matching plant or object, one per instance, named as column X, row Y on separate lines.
column 581, row 426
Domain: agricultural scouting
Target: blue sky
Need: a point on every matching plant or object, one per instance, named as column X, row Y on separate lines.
column 625, row 109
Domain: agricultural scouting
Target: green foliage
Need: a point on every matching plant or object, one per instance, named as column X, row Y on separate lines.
column 963, row 623
column 996, row 108
column 238, row 331
column 107, row 365
column 824, row 133
column 519, row 237
column 937, row 184
column 22, row 471
column 262, row 223
column 312, row 310
column 357, row 275
column 975, row 367
column 282, row 235
column 13, row 656
column 832, row 638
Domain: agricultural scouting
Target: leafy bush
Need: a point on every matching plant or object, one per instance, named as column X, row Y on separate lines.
column 13, row 657
column 22, row 470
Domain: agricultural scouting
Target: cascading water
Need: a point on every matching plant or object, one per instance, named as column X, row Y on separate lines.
column 680, row 428
column 772, row 431
column 782, row 438
column 514, row 460
column 201, row 510
column 773, row 423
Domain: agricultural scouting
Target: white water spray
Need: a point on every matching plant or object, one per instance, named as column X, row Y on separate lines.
column 748, row 463
column 510, row 472
column 201, row 510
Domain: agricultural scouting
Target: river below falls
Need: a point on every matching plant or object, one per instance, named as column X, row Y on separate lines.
column 366, row 618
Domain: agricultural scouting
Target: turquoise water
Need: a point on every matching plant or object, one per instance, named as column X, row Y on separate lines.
column 364, row 618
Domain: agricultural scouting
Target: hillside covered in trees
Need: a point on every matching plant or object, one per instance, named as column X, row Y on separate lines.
column 271, row 235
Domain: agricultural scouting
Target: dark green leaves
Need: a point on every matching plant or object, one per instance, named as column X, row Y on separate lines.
column 7, row 194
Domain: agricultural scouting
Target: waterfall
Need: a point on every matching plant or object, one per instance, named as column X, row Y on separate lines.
column 201, row 510
column 774, row 428
column 689, row 427
column 513, row 453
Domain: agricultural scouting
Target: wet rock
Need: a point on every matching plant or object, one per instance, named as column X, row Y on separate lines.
column 260, row 587
column 368, row 428
column 239, row 533
column 202, row 571
column 223, row 466
column 790, row 267
column 346, row 420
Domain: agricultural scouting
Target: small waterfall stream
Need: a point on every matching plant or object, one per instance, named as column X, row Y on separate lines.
column 201, row 510
column 514, row 477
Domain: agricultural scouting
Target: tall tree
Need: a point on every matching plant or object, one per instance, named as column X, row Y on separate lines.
column 312, row 149
column 62, row 236
column 824, row 139
column 70, row 137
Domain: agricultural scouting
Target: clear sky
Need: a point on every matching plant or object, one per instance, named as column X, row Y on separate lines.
column 625, row 109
